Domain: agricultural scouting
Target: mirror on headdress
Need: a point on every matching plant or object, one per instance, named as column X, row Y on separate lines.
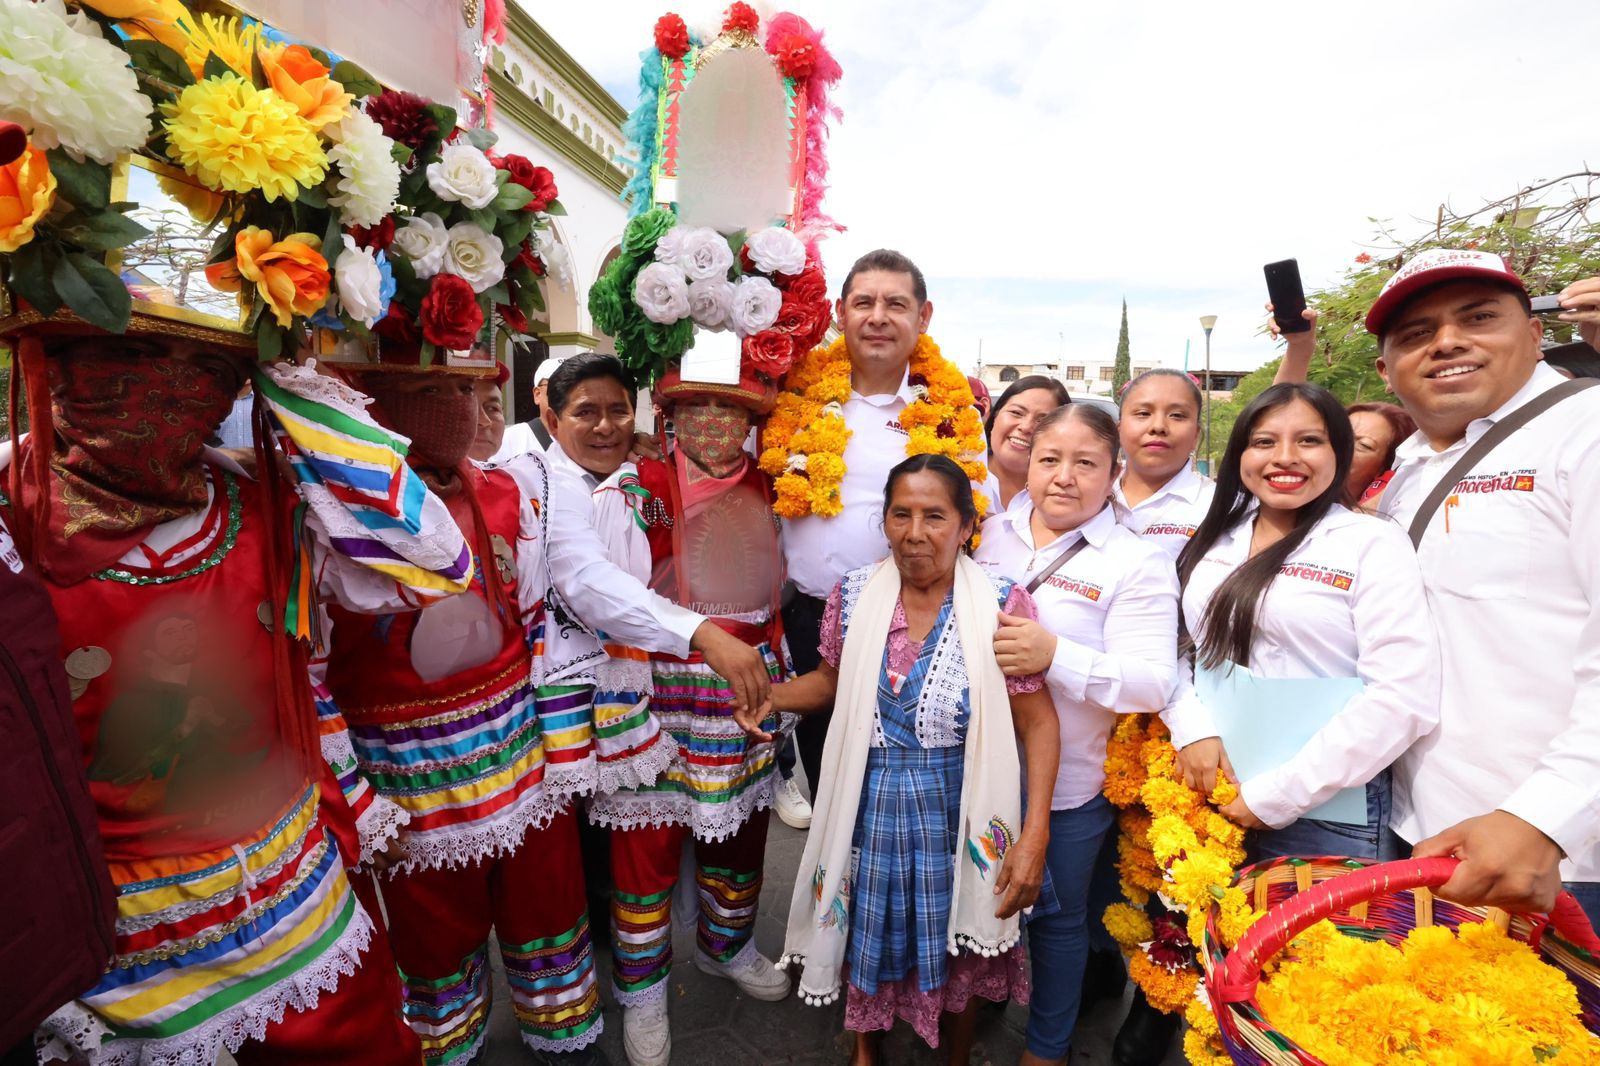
column 166, row 269
column 733, row 151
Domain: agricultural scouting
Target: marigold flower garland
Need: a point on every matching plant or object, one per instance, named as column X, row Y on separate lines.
column 1172, row 842
column 805, row 437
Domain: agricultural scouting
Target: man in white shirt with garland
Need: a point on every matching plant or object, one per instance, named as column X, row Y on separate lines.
column 883, row 308
column 1510, row 781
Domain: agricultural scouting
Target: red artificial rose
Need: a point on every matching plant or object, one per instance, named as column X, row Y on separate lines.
column 809, row 285
column 530, row 259
column 403, row 117
column 537, row 180
column 512, row 316
column 377, row 238
column 451, row 317
column 770, row 352
column 796, row 56
column 396, row 325
column 672, row 36
column 741, row 16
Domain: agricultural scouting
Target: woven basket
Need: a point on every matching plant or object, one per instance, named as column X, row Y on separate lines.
column 1372, row 901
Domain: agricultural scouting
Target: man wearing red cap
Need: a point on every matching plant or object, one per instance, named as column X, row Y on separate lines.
column 1510, row 782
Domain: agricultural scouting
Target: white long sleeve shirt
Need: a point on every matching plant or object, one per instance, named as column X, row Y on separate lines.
column 1511, row 565
column 819, row 551
column 1168, row 518
column 1348, row 602
column 1114, row 610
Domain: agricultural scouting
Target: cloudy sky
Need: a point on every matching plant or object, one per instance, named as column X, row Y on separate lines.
column 1041, row 160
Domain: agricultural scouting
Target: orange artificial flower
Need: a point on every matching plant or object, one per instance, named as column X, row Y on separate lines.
column 291, row 275
column 27, row 189
column 305, row 83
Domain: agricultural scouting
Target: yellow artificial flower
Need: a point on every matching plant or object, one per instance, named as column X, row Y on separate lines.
column 291, row 275
column 226, row 38
column 27, row 190
column 1129, row 926
column 164, row 21
column 235, row 137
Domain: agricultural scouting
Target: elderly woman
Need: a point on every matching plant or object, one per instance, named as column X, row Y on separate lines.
column 919, row 857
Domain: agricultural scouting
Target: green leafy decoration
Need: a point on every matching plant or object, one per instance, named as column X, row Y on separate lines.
column 94, row 293
column 356, row 81
column 29, row 276
column 269, row 339
column 159, row 61
column 512, row 197
column 102, row 232
column 215, row 67
column 482, row 139
column 86, row 184
column 553, row 207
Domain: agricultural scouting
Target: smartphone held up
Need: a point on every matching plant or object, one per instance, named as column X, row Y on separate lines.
column 1288, row 296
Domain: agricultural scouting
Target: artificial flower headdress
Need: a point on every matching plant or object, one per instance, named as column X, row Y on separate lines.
column 248, row 187
column 730, row 134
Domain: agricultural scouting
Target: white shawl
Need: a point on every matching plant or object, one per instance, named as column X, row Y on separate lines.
column 991, row 793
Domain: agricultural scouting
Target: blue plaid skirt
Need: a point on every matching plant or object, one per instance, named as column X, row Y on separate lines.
column 905, row 841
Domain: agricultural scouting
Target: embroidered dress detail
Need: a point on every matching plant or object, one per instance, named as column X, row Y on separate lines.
column 631, row 749
column 378, row 819
column 641, row 939
column 554, row 990
column 451, row 1014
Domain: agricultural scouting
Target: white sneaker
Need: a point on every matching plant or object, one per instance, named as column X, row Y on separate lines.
column 647, row 1033
column 791, row 803
column 752, row 971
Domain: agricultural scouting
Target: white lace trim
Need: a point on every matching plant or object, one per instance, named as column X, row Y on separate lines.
column 642, row 997
column 944, row 690
column 570, row 780
column 75, row 1032
column 378, row 825
column 565, row 1045
column 960, row 942
column 460, row 846
column 632, row 810
column 337, row 751
column 138, row 923
column 639, row 770
column 304, row 381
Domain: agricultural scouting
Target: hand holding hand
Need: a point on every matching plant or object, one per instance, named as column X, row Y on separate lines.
column 1023, row 646
column 741, row 664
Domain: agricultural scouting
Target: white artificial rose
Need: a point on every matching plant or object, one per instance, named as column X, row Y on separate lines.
column 710, row 300
column 775, row 250
column 703, row 253
column 475, row 255
column 369, row 179
column 755, row 305
column 463, row 175
column 668, row 247
column 661, row 293
column 64, row 83
column 422, row 240
column 557, row 260
column 360, row 283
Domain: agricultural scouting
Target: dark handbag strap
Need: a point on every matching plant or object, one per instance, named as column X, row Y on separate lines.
column 540, row 432
column 1061, row 560
column 1487, row 443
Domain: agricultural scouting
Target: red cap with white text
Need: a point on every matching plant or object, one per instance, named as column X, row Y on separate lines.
column 1433, row 267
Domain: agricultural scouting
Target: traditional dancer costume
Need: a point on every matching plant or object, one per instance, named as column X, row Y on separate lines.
column 236, row 920
column 713, row 545
column 443, row 721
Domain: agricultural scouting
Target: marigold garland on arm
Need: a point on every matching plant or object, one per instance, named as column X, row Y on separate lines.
column 805, row 437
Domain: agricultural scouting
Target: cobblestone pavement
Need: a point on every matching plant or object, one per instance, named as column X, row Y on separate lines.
column 713, row 1025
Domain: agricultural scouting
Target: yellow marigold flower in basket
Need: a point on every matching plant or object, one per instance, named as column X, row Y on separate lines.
column 235, row 137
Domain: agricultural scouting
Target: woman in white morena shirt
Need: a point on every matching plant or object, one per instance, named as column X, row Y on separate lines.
column 1160, row 495
column 1106, row 642
column 1282, row 579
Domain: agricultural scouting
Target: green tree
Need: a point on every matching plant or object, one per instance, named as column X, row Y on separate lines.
column 1124, row 367
column 1543, row 231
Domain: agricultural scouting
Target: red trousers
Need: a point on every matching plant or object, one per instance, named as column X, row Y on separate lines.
column 644, row 870
column 533, row 900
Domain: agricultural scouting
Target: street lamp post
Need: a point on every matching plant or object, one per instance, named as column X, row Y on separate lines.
column 1206, row 323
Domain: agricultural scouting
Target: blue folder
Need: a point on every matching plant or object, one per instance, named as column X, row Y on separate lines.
column 1265, row 721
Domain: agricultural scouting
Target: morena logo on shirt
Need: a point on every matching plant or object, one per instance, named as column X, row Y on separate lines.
column 1087, row 589
column 894, row 424
column 1321, row 575
column 1505, row 481
column 1168, row 529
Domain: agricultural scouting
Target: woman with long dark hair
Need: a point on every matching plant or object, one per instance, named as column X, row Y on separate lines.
column 1289, row 596
column 1009, row 430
